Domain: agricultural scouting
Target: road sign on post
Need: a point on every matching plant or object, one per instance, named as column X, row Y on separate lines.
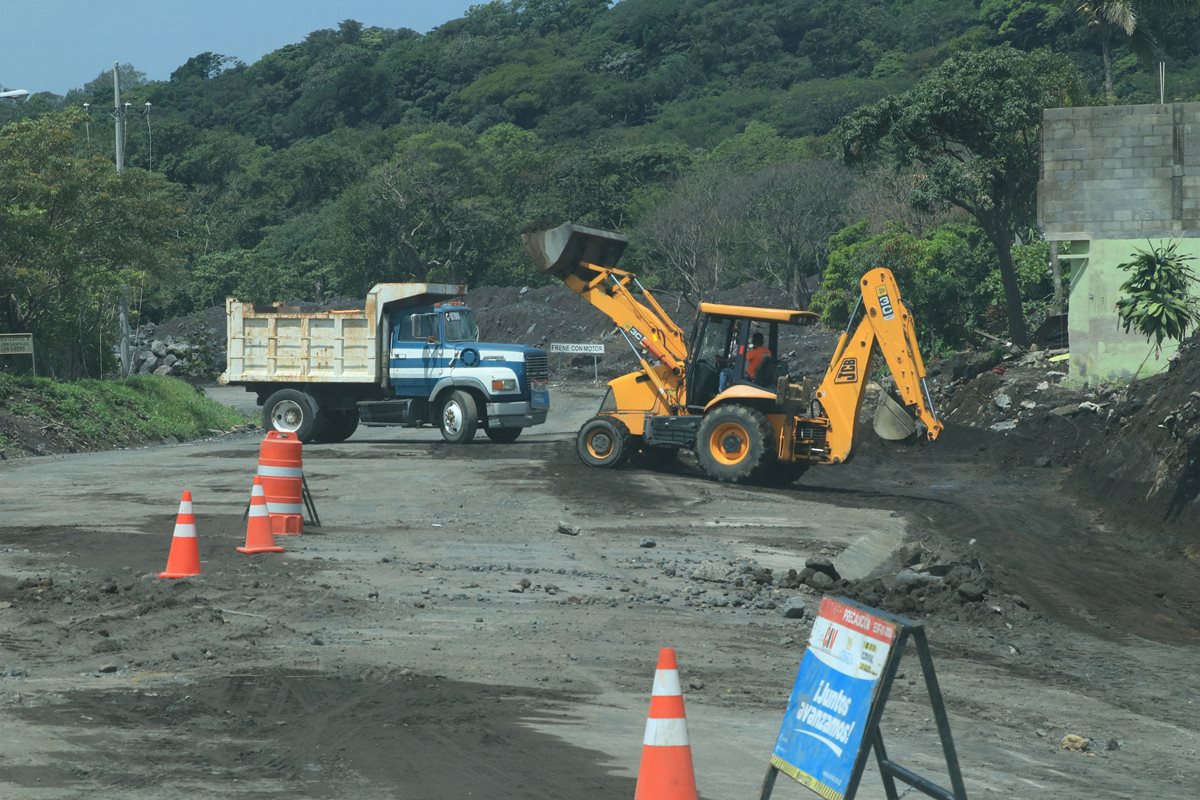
column 17, row 344
column 595, row 350
column 832, row 720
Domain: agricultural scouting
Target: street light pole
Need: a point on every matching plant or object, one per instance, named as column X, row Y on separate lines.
column 119, row 116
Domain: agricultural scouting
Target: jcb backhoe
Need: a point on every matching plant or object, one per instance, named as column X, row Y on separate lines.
column 745, row 425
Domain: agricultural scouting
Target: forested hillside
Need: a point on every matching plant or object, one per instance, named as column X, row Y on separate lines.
column 719, row 134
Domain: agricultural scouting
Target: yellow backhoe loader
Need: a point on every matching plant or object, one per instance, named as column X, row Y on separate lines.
column 744, row 418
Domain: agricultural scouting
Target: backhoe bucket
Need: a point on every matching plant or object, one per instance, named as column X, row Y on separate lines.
column 561, row 251
column 892, row 420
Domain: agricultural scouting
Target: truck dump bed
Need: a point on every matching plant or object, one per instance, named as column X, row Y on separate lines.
column 283, row 344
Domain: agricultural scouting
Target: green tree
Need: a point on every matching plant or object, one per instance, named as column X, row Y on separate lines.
column 973, row 127
column 1108, row 18
column 72, row 232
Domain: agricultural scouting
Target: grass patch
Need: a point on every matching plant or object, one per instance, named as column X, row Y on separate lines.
column 44, row 415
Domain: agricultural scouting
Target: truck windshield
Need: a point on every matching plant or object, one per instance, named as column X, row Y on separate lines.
column 460, row 326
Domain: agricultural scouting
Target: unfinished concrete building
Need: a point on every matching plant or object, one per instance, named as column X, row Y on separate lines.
column 1116, row 179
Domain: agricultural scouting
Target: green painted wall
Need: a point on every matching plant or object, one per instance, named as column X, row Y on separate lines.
column 1101, row 352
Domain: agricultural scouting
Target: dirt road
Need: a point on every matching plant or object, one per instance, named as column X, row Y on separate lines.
column 438, row 637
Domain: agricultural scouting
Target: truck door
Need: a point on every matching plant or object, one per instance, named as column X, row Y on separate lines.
column 412, row 368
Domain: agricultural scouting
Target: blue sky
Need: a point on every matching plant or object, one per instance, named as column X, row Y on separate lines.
column 56, row 45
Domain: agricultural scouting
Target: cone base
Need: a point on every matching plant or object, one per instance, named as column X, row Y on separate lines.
column 287, row 524
column 253, row 550
column 178, row 574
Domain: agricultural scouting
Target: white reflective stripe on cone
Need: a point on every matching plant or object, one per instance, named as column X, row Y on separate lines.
column 666, row 683
column 285, row 508
column 280, row 472
column 258, row 510
column 185, row 530
column 185, row 506
column 666, row 733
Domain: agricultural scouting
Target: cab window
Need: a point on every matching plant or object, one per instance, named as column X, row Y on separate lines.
column 460, row 326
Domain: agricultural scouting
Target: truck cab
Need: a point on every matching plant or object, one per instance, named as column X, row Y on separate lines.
column 435, row 352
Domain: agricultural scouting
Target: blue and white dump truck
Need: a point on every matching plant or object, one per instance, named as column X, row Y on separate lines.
column 410, row 355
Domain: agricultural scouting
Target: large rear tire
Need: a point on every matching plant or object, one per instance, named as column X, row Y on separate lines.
column 503, row 435
column 604, row 442
column 733, row 444
column 292, row 411
column 339, row 426
column 459, row 417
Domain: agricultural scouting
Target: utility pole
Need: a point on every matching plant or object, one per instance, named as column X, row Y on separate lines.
column 119, row 116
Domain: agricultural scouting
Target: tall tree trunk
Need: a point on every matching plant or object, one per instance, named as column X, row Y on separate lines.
column 1002, row 242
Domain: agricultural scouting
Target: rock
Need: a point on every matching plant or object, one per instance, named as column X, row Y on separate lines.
column 1068, row 410
column 163, row 370
column 158, row 347
column 1028, row 405
column 1041, row 461
column 910, row 554
column 1006, row 425
column 714, row 571
column 822, row 564
column 794, row 608
column 1113, row 744
column 1088, row 405
column 169, row 359
column 1043, row 386
column 1002, row 401
column 820, row 581
column 647, row 542
column 108, row 669
column 911, row 579
column 695, row 683
column 568, row 529
column 1074, row 743
column 148, row 365
column 971, row 592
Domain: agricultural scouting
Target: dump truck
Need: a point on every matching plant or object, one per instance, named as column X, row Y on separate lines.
column 409, row 355
column 746, row 422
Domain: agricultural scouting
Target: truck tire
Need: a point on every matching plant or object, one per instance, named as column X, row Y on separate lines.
column 733, row 444
column 339, row 426
column 292, row 411
column 604, row 442
column 458, row 418
column 503, row 435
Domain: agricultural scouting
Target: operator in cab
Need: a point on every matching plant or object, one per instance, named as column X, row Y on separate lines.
column 755, row 355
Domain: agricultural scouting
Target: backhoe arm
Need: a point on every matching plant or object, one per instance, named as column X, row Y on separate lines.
column 885, row 324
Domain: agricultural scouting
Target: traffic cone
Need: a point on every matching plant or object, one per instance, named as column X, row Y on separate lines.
column 666, row 772
column 184, row 558
column 258, row 524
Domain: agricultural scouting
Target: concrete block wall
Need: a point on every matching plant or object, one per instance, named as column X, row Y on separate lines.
column 1116, row 179
column 1116, row 172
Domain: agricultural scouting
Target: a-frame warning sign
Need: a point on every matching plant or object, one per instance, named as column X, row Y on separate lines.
column 832, row 720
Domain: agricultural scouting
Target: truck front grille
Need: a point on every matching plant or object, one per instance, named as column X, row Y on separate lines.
column 537, row 367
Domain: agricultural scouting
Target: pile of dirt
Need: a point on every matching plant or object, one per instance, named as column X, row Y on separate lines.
column 1134, row 450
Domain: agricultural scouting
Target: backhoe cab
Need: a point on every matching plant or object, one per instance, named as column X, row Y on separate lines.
column 746, row 419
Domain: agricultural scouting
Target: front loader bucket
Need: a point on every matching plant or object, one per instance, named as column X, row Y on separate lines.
column 892, row 420
column 561, row 251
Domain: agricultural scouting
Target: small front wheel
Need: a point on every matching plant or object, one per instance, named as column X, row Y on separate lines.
column 603, row 442
column 459, row 418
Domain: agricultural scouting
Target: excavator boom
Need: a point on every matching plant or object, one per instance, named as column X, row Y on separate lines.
column 885, row 326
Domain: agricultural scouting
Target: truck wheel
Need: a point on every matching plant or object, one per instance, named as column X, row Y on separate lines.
column 604, row 442
column 732, row 443
column 339, row 426
column 503, row 435
column 459, row 418
column 291, row 411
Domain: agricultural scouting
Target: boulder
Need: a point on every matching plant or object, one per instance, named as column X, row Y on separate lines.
column 158, row 347
column 794, row 608
column 822, row 564
column 165, row 369
column 820, row 581
column 714, row 571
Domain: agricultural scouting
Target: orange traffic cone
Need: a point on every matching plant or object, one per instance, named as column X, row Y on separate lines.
column 184, row 558
column 259, row 538
column 666, row 772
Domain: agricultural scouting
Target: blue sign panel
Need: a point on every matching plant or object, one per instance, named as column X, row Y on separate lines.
column 826, row 719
